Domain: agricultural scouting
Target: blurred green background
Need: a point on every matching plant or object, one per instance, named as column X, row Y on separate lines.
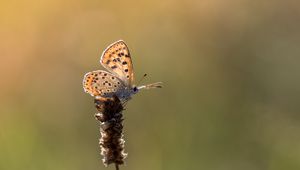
column 231, row 83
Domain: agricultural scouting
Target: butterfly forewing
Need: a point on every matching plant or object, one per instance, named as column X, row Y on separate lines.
column 116, row 59
column 101, row 83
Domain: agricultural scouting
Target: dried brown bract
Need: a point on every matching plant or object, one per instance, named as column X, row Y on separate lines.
column 111, row 141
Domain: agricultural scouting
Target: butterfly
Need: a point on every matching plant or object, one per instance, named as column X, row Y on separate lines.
column 119, row 77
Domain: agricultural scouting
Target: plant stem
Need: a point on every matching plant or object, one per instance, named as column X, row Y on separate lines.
column 117, row 166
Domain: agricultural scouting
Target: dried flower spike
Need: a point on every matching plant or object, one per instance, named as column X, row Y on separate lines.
column 111, row 141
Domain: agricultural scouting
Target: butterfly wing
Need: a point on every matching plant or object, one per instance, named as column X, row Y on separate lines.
column 101, row 83
column 117, row 60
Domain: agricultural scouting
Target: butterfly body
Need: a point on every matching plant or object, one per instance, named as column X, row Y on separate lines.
column 119, row 80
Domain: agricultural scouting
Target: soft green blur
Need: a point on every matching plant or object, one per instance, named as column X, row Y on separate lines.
column 231, row 74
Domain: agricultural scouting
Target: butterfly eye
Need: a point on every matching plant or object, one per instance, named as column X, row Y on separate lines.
column 135, row 89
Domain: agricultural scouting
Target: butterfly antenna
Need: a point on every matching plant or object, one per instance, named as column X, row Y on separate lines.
column 154, row 85
column 141, row 79
column 151, row 86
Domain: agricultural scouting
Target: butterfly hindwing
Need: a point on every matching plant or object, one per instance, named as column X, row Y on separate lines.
column 101, row 83
column 116, row 59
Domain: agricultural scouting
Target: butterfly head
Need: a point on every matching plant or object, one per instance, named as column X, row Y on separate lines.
column 135, row 90
column 127, row 93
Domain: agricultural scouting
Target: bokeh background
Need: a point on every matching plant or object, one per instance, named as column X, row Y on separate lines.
column 231, row 83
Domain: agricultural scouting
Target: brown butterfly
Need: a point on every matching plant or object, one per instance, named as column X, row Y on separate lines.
column 118, row 81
